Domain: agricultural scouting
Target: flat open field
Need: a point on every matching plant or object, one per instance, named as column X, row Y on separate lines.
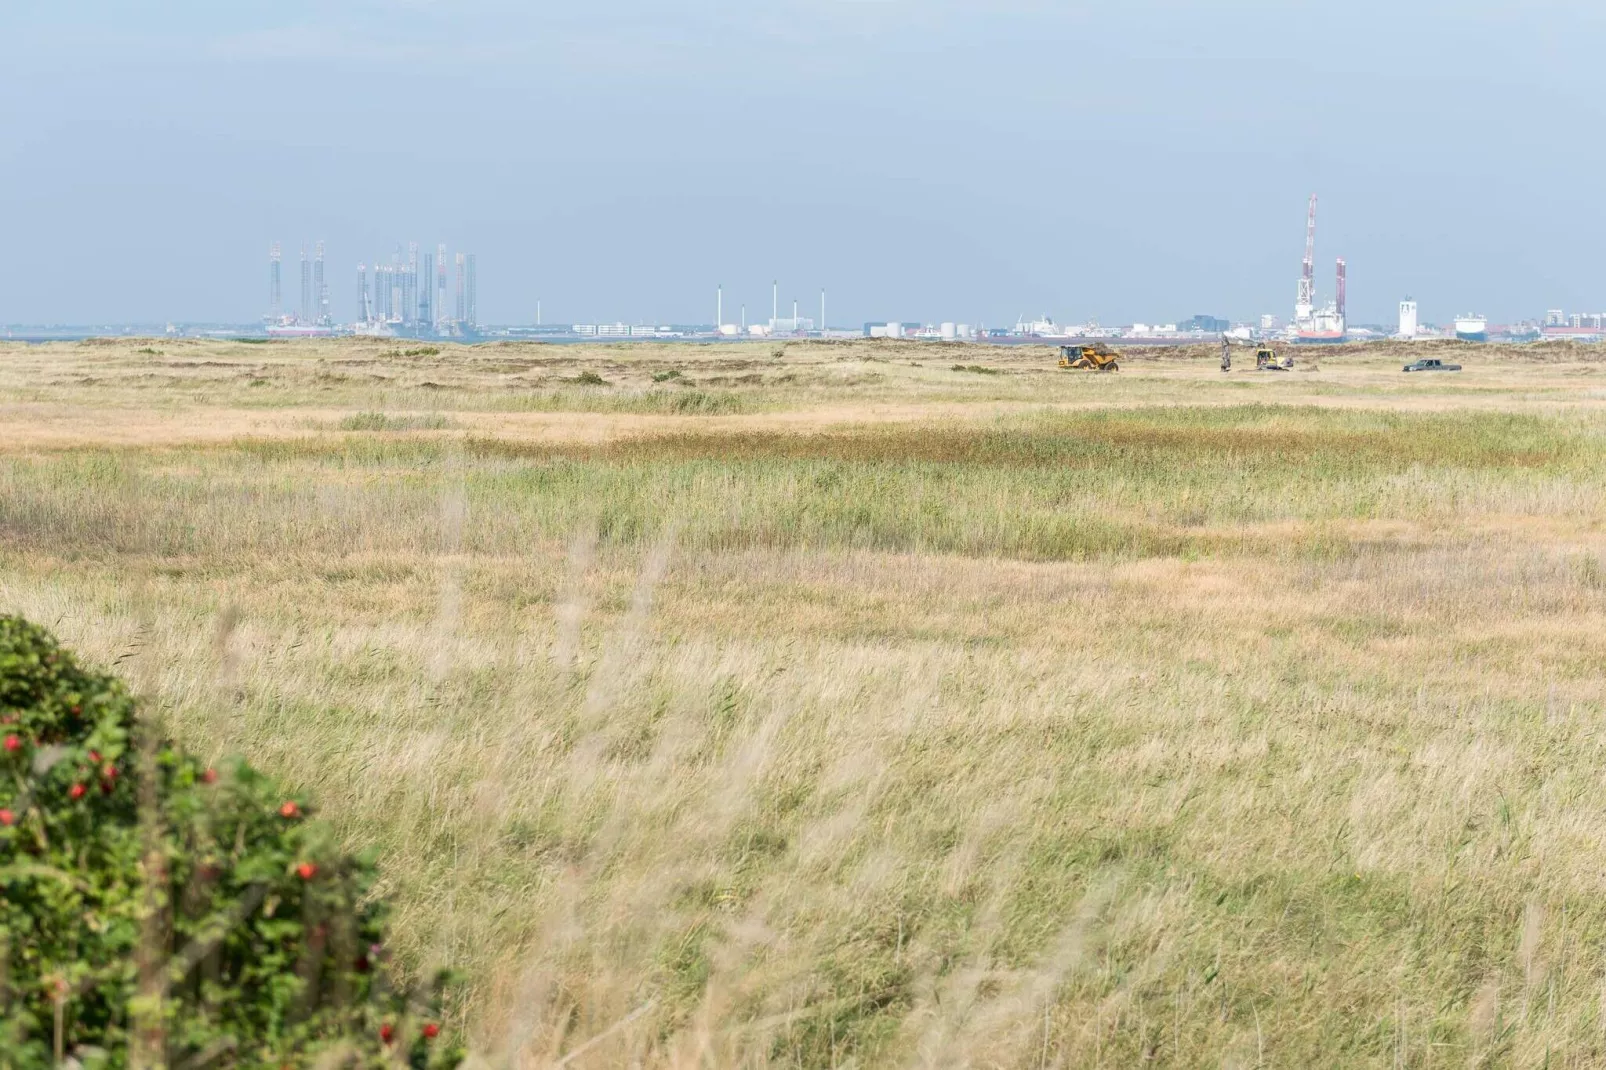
column 882, row 704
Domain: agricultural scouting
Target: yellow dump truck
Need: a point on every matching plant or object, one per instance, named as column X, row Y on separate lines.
column 1096, row 357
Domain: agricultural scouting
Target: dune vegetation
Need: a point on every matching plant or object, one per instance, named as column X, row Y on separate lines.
column 829, row 705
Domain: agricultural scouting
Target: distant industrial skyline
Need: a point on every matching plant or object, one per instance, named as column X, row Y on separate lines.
column 983, row 160
column 408, row 296
column 407, row 293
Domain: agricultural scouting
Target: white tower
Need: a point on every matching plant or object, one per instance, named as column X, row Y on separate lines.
column 1407, row 318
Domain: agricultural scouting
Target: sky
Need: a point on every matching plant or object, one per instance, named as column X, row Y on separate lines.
column 962, row 160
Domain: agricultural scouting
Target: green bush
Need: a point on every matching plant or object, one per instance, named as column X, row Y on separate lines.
column 199, row 915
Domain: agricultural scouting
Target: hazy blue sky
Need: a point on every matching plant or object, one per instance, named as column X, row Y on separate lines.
column 949, row 159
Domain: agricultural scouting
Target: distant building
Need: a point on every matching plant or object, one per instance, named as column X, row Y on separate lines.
column 426, row 309
column 306, row 314
column 320, row 288
column 275, row 284
column 1555, row 318
column 1585, row 333
column 1408, row 321
column 1206, row 325
column 462, row 291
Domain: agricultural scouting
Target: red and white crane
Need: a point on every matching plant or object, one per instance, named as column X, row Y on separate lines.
column 1306, row 304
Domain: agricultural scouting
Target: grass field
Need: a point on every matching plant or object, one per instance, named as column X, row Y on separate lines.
column 837, row 704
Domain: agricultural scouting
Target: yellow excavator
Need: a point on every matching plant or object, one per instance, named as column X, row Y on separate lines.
column 1096, row 357
column 1266, row 361
column 1265, row 358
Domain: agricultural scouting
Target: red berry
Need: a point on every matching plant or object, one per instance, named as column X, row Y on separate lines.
column 94, row 757
column 386, row 1032
column 76, row 791
column 76, row 710
column 290, row 810
column 431, row 1031
column 7, row 817
column 109, row 771
column 306, row 871
column 209, row 777
column 13, row 744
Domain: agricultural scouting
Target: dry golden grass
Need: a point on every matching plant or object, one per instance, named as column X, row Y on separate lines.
column 872, row 714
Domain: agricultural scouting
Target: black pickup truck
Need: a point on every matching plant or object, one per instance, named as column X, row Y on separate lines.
column 1431, row 366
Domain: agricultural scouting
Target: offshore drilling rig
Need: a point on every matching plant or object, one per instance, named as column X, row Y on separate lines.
column 1310, row 323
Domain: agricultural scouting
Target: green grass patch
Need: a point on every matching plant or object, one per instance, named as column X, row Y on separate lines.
column 1187, row 483
column 378, row 421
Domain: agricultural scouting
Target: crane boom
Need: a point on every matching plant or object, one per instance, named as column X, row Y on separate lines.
column 1307, row 279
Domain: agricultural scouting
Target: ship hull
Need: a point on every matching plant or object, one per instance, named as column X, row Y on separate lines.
column 301, row 332
column 1472, row 336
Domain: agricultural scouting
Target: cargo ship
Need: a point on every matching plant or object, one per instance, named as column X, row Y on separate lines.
column 300, row 330
column 1472, row 328
column 1325, row 327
